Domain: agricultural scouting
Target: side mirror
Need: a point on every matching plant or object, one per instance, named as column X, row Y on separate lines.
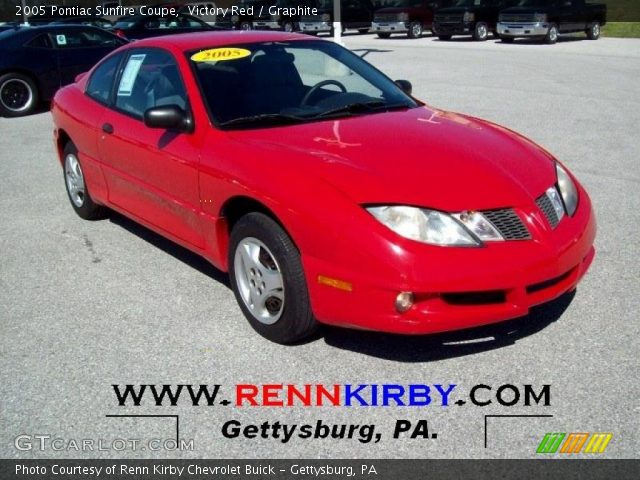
column 168, row 117
column 405, row 86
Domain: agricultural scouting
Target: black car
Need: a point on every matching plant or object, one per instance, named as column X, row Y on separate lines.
column 144, row 26
column 355, row 15
column 477, row 18
column 547, row 19
column 37, row 61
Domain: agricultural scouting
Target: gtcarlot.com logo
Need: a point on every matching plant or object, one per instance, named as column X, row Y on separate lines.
column 574, row 443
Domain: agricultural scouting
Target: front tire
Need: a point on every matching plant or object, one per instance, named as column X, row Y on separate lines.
column 415, row 30
column 268, row 280
column 18, row 95
column 481, row 32
column 552, row 35
column 76, row 186
column 594, row 30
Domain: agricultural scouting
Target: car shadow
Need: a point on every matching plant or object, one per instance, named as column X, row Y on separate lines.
column 533, row 41
column 176, row 251
column 442, row 346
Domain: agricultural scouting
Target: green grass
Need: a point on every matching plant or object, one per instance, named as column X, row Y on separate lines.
column 622, row 29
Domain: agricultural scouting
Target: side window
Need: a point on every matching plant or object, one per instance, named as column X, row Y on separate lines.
column 101, row 81
column 149, row 79
column 41, row 41
column 98, row 38
column 68, row 39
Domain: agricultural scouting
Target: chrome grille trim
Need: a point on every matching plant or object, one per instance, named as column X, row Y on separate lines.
column 545, row 205
column 508, row 223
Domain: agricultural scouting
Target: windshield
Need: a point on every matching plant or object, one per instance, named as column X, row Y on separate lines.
column 291, row 82
column 532, row 3
column 468, row 3
column 404, row 3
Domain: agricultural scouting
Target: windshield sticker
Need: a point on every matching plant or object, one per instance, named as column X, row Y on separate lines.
column 61, row 39
column 129, row 75
column 220, row 54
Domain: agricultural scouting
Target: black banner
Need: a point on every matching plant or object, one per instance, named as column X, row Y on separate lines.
column 335, row 469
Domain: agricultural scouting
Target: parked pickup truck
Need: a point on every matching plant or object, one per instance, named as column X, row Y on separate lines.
column 547, row 19
column 406, row 16
column 477, row 18
column 355, row 14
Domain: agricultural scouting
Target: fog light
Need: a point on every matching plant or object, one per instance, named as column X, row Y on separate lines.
column 404, row 301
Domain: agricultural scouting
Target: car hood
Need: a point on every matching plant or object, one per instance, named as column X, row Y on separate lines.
column 420, row 156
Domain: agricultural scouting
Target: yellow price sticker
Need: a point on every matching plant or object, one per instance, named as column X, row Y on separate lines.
column 220, row 54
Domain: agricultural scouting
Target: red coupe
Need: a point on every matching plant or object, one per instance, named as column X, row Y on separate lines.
column 325, row 189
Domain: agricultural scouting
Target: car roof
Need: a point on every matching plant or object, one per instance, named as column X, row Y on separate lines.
column 194, row 41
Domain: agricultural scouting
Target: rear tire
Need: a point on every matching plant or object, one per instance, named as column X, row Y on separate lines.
column 384, row 35
column 268, row 280
column 76, row 186
column 594, row 30
column 18, row 95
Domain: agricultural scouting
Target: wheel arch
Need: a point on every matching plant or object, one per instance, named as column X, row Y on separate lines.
column 61, row 141
column 232, row 210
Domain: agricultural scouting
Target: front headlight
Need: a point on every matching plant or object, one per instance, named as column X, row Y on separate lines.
column 540, row 17
column 567, row 189
column 469, row 17
column 436, row 228
column 403, row 17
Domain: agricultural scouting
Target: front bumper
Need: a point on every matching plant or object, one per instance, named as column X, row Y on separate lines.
column 390, row 27
column 457, row 288
column 266, row 25
column 315, row 26
column 458, row 28
column 522, row 29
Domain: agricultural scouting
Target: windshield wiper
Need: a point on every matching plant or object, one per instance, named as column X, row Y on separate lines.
column 265, row 118
column 359, row 107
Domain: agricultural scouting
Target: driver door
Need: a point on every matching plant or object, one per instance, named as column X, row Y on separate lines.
column 152, row 173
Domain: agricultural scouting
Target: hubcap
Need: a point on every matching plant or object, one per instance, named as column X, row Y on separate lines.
column 259, row 280
column 75, row 179
column 15, row 95
column 596, row 30
column 553, row 34
column 482, row 31
column 245, row 26
column 417, row 30
column 288, row 27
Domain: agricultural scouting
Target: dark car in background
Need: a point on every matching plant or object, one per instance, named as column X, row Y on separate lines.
column 241, row 15
column 477, row 18
column 36, row 61
column 410, row 17
column 267, row 20
column 355, row 15
column 144, row 26
column 547, row 19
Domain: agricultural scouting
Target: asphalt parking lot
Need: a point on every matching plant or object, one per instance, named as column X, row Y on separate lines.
column 84, row 305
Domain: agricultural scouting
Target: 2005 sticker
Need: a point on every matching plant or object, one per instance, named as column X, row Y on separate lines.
column 220, row 54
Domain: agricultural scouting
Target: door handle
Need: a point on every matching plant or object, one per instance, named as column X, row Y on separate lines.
column 107, row 128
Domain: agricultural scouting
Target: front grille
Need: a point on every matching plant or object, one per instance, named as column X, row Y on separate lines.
column 386, row 17
column 448, row 18
column 546, row 206
column 475, row 298
column 508, row 223
column 516, row 18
